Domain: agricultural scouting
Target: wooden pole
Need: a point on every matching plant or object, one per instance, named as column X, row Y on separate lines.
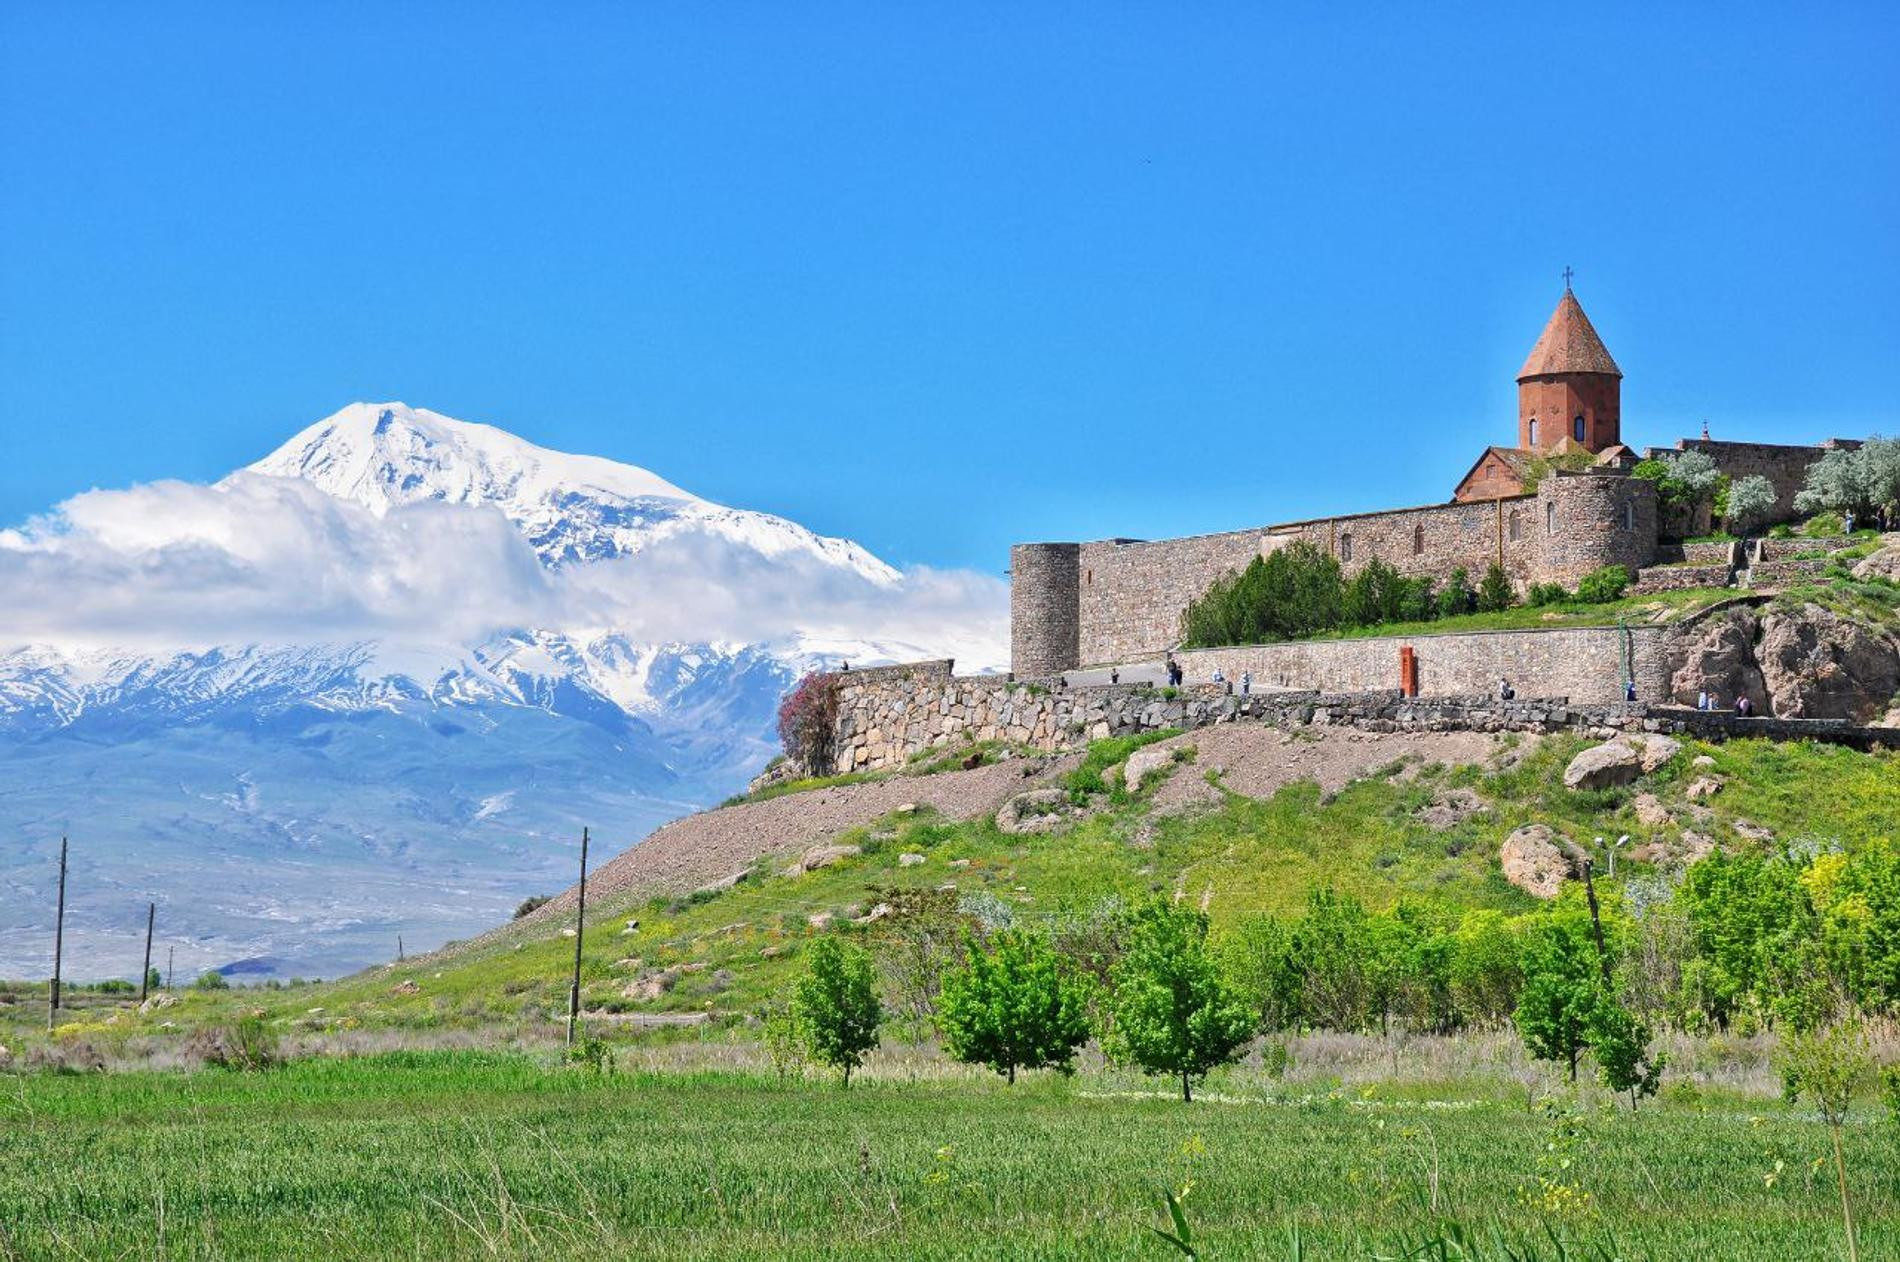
column 59, row 938
column 1596, row 923
column 399, row 948
column 580, row 934
column 170, row 954
column 145, row 974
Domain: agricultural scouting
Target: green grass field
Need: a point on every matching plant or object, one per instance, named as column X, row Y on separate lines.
column 450, row 1155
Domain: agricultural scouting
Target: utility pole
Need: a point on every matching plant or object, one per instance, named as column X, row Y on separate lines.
column 580, row 934
column 145, row 974
column 1596, row 923
column 399, row 956
column 170, row 952
column 59, row 938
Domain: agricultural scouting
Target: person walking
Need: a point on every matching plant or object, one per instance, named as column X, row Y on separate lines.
column 1702, row 700
column 1246, row 683
column 1743, row 706
column 1629, row 691
column 1220, row 678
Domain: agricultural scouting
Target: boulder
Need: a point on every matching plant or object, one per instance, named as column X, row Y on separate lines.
column 823, row 857
column 1650, row 810
column 1533, row 862
column 1143, row 763
column 1703, row 788
column 1449, row 809
column 1655, row 750
column 1037, row 811
column 1603, row 766
column 1817, row 664
column 408, row 987
column 909, row 859
column 820, row 920
column 163, row 999
column 1884, row 564
column 1702, row 760
column 871, row 917
column 724, row 883
column 1696, row 846
column 1753, row 831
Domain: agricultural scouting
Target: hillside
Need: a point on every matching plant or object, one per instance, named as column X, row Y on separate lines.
column 1247, row 819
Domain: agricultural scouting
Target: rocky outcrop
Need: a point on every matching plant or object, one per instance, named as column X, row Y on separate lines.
column 1037, row 811
column 1806, row 663
column 1884, row 564
column 1144, row 763
column 1603, row 767
column 1817, row 664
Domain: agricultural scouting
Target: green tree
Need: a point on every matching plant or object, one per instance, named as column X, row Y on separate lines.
column 1620, row 1041
column 837, row 1004
column 1495, row 593
column 1016, row 1005
column 153, row 979
column 211, row 979
column 1376, row 595
column 1259, row 956
column 1456, row 597
column 1294, row 593
column 1486, row 966
column 1332, row 943
column 1562, row 978
column 1753, row 931
column 1174, row 1013
column 1829, row 1066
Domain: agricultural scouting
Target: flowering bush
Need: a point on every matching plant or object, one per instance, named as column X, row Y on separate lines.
column 805, row 721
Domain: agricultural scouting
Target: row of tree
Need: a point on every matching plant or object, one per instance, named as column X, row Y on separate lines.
column 1300, row 591
column 1790, row 940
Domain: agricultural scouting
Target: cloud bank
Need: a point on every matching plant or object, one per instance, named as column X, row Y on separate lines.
column 261, row 559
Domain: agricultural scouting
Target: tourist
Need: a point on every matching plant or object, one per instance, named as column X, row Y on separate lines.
column 1629, row 691
column 1114, row 674
column 1848, row 521
column 1246, row 683
column 1743, row 706
column 1505, row 691
column 1703, row 700
column 1220, row 677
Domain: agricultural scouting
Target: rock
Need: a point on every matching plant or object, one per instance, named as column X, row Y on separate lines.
column 771, row 952
column 1037, row 811
column 958, row 863
column 1603, row 766
column 823, row 857
column 871, row 917
column 406, row 988
column 724, row 883
column 163, row 999
column 632, row 961
column 570, row 933
column 1650, row 810
column 820, row 920
column 1696, row 846
column 1144, row 763
column 1884, row 564
column 1532, row 861
column 1649, row 852
column 1449, row 809
column 1817, row 664
column 1721, row 661
column 1702, row 760
column 908, row 808
column 1753, row 831
column 909, row 859
column 1702, row 788
column 652, row 984
column 1656, row 750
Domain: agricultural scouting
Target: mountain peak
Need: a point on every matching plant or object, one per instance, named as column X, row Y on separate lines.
column 383, row 454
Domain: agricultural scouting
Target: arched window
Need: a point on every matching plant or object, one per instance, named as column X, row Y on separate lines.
column 1418, row 540
column 1533, row 441
column 1576, row 429
column 1550, row 519
column 1516, row 526
column 1345, row 547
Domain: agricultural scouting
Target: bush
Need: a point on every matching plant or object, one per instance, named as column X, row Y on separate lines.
column 1750, row 501
column 211, row 979
column 529, row 904
column 1541, row 594
column 1456, row 597
column 1495, row 593
column 1823, row 526
column 1295, row 592
column 247, row 1045
column 1600, row 587
column 837, row 1006
column 806, row 718
column 1017, row 1005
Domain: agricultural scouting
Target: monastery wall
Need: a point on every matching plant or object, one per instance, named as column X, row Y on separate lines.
column 1783, row 465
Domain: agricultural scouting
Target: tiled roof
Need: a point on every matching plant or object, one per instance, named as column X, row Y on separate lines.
column 1568, row 344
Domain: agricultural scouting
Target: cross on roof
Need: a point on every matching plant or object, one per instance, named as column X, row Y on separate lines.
column 1567, row 275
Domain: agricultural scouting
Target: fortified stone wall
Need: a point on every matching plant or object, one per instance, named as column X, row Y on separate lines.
column 1586, row 664
column 888, row 718
column 1044, row 607
column 1783, row 465
column 1132, row 593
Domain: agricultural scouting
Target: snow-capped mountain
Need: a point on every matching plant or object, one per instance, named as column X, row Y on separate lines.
column 294, row 801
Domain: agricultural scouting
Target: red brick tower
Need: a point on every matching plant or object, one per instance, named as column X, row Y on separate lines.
column 1569, row 392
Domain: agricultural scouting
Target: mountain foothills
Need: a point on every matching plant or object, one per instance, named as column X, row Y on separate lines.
column 376, row 683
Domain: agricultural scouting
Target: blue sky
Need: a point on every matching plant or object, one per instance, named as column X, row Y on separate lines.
column 938, row 281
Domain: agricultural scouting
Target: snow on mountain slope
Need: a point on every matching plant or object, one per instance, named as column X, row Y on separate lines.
column 571, row 508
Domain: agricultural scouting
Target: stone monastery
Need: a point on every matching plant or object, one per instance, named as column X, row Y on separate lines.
column 1076, row 605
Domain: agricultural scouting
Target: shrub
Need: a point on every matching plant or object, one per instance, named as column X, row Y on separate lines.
column 806, row 718
column 1823, row 526
column 1495, row 593
column 246, row 1045
column 1295, row 592
column 211, row 979
column 1600, row 587
column 1456, row 597
column 529, row 904
column 1541, row 594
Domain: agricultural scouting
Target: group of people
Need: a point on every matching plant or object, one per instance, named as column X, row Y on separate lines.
column 1705, row 700
column 1177, row 676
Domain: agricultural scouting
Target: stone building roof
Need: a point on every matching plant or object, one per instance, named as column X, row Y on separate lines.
column 1568, row 344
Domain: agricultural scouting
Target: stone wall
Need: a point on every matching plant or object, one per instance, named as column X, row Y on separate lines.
column 1677, row 578
column 887, row 718
column 1783, row 465
column 1780, row 573
column 1585, row 664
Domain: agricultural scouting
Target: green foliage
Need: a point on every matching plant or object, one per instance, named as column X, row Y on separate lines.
column 246, row 1044
column 153, row 979
column 211, row 979
column 1376, row 594
column 1174, row 1012
column 1016, row 1004
column 837, row 1004
column 1541, row 594
column 1562, row 983
column 1602, row 586
column 1495, row 594
column 1683, row 479
column 1456, row 596
column 1293, row 593
column 1750, row 502
column 1861, row 481
column 1620, row 1041
column 1091, row 776
column 787, row 1043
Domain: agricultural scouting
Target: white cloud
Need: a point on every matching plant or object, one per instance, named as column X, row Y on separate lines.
column 263, row 559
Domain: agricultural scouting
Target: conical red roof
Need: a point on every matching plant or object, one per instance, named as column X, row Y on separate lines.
column 1568, row 344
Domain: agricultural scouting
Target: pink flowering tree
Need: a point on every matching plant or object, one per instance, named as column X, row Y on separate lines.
column 806, row 719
